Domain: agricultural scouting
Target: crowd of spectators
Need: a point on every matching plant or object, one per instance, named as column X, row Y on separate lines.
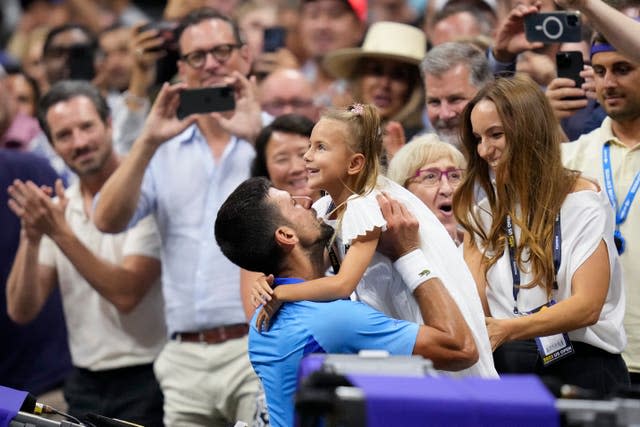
column 111, row 270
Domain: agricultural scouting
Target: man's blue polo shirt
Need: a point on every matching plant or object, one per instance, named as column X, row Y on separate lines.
column 304, row 327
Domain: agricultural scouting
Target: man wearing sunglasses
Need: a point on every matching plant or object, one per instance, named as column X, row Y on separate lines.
column 182, row 170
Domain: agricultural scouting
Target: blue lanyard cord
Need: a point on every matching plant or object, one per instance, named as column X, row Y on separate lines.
column 515, row 270
column 623, row 212
column 621, row 215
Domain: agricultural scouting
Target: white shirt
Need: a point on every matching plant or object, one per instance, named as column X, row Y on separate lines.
column 100, row 336
column 382, row 288
column 585, row 155
column 585, row 220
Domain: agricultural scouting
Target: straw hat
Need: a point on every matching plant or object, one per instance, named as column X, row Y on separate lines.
column 387, row 40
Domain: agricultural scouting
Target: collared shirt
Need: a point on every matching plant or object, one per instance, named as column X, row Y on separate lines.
column 305, row 327
column 585, row 155
column 184, row 186
column 100, row 336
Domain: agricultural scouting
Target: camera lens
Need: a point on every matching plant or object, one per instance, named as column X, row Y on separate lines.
column 552, row 27
column 563, row 60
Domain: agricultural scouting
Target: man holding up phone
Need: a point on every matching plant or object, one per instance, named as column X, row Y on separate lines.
column 611, row 154
column 182, row 171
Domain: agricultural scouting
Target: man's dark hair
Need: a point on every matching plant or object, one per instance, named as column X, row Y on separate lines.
column 288, row 123
column 65, row 90
column 245, row 227
column 204, row 14
column 92, row 42
column 484, row 14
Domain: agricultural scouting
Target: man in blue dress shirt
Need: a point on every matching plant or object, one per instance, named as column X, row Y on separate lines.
column 182, row 171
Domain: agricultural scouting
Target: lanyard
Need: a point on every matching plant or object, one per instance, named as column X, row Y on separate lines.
column 515, row 271
column 623, row 212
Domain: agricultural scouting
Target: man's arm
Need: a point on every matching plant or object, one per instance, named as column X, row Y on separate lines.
column 122, row 285
column 29, row 283
column 445, row 337
column 620, row 30
column 120, row 194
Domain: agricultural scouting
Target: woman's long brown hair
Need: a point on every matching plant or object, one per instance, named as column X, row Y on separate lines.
column 530, row 177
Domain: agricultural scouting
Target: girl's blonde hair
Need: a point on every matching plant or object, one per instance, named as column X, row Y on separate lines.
column 365, row 137
column 530, row 176
column 419, row 151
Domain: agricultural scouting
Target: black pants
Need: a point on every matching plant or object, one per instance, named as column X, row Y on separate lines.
column 130, row 394
column 589, row 367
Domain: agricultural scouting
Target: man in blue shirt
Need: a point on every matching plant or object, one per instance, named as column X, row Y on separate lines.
column 182, row 171
column 289, row 241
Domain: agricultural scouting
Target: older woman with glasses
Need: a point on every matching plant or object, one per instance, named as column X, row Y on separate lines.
column 432, row 170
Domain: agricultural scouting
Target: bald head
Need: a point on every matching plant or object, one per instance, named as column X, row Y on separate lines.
column 287, row 91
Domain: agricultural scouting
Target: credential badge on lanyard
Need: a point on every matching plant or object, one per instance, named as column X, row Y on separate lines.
column 552, row 347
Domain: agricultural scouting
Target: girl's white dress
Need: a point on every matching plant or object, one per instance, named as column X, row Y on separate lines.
column 381, row 286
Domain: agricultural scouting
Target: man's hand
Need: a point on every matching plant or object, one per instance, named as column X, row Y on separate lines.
column 510, row 38
column 558, row 92
column 146, row 49
column 246, row 120
column 37, row 212
column 401, row 236
column 162, row 122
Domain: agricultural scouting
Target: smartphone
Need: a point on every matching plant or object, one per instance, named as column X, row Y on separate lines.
column 80, row 62
column 274, row 38
column 206, row 100
column 553, row 27
column 166, row 30
column 569, row 65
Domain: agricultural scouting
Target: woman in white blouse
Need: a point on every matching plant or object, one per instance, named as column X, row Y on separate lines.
column 540, row 244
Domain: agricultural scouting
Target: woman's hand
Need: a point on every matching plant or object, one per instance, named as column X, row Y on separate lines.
column 498, row 330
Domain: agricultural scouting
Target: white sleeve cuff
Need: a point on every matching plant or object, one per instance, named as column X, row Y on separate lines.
column 414, row 269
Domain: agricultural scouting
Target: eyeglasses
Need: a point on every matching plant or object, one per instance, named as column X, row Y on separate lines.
column 221, row 53
column 302, row 201
column 280, row 104
column 432, row 177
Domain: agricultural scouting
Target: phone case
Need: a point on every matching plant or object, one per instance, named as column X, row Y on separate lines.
column 206, row 100
column 569, row 64
column 553, row 27
column 274, row 39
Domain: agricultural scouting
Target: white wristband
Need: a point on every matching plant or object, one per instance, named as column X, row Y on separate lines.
column 414, row 269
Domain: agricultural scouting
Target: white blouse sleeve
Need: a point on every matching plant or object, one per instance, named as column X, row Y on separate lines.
column 588, row 222
column 361, row 216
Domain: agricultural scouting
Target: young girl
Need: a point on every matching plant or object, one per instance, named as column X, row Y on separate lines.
column 343, row 160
